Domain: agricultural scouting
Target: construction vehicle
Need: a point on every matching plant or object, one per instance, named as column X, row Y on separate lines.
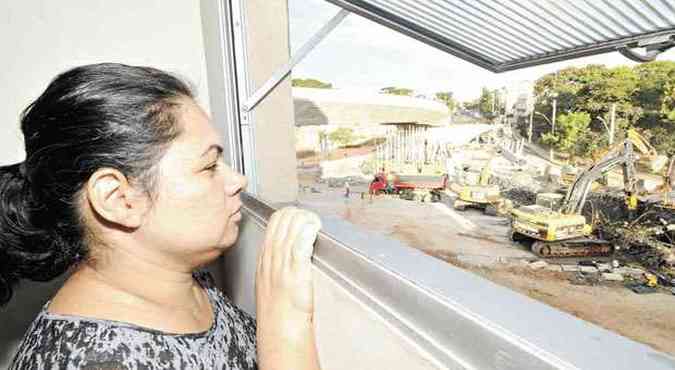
column 418, row 188
column 478, row 194
column 649, row 160
column 565, row 232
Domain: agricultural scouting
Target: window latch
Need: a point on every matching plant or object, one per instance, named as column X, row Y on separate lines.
column 652, row 48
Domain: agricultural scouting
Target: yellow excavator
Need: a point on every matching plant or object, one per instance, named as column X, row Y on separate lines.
column 649, row 159
column 565, row 232
column 479, row 195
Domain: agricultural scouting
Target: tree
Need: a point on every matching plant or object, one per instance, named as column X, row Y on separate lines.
column 572, row 134
column 311, row 83
column 342, row 136
column 447, row 98
column 644, row 96
column 396, row 91
column 653, row 81
column 487, row 105
column 668, row 102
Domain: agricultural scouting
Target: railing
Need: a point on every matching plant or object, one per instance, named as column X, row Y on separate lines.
column 438, row 315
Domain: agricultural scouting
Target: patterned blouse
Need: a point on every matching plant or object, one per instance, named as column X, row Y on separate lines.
column 71, row 342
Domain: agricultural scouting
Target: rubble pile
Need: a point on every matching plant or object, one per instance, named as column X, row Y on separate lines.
column 520, row 196
column 644, row 242
column 607, row 206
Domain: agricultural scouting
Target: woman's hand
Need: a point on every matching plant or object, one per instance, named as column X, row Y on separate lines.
column 284, row 292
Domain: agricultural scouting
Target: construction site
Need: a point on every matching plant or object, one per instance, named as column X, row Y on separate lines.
column 592, row 238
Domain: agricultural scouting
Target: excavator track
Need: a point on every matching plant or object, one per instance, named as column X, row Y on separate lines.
column 582, row 247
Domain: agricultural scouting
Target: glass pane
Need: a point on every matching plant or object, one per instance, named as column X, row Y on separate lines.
column 517, row 177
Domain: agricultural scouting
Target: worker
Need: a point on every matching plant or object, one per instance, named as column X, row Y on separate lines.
column 125, row 188
column 346, row 189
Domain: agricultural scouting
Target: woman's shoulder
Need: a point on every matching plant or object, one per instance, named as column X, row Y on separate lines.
column 70, row 343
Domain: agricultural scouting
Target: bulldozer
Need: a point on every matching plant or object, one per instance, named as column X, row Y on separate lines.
column 565, row 232
column 479, row 194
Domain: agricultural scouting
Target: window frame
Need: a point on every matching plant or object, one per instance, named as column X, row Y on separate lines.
column 459, row 319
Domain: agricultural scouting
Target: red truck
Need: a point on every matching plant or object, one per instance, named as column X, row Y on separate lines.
column 421, row 188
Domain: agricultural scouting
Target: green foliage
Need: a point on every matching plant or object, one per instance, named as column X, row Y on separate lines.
column 668, row 101
column 396, row 91
column 663, row 140
column 573, row 128
column 310, row 82
column 342, row 136
column 644, row 96
column 487, row 104
column 447, row 98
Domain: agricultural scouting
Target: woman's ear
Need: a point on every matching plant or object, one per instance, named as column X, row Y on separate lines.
column 113, row 199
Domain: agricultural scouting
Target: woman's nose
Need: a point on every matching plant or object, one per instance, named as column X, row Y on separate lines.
column 236, row 184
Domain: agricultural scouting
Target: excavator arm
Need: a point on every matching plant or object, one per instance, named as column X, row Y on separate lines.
column 649, row 157
column 623, row 155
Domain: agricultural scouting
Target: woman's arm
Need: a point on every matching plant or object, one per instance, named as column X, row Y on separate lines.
column 284, row 292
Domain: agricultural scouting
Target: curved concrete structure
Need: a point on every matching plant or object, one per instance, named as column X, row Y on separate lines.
column 343, row 107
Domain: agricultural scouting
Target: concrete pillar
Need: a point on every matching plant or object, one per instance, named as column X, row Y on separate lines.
column 268, row 49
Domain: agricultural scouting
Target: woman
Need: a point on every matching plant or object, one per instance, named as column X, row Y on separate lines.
column 125, row 188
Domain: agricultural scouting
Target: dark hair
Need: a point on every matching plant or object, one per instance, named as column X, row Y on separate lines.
column 90, row 117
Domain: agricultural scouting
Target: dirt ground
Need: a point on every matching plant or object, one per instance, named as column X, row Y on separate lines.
column 479, row 244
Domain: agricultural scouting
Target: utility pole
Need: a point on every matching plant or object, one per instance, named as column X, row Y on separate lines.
column 612, row 124
column 529, row 132
column 555, row 102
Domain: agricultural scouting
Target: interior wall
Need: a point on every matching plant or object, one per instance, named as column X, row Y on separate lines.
column 42, row 38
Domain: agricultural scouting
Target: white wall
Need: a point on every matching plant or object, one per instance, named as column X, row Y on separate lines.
column 41, row 38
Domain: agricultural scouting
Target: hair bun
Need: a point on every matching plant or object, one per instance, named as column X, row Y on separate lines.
column 14, row 225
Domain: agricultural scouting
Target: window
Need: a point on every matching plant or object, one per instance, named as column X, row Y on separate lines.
column 405, row 149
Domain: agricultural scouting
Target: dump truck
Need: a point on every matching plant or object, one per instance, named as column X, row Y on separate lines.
column 410, row 187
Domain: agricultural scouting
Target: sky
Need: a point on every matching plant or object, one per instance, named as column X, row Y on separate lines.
column 361, row 54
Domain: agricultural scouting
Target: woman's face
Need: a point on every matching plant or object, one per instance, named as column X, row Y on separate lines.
column 196, row 212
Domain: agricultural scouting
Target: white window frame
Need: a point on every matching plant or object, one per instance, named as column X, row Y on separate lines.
column 461, row 320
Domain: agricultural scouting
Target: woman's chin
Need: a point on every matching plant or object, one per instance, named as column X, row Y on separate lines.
column 231, row 238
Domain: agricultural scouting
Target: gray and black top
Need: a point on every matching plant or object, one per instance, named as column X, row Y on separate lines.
column 71, row 342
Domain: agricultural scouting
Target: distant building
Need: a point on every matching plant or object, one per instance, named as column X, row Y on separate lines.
column 369, row 114
column 519, row 99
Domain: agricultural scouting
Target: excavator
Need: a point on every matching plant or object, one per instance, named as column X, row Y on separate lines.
column 565, row 232
column 481, row 195
column 649, row 160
